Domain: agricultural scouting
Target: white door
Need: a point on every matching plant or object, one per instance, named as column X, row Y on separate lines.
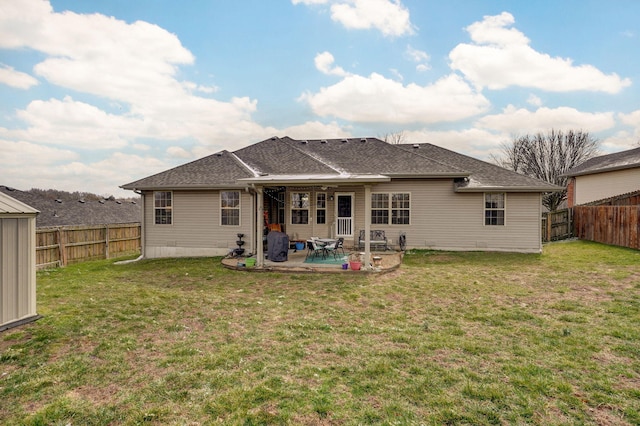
column 344, row 215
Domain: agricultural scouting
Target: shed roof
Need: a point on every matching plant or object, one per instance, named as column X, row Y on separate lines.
column 9, row 205
column 606, row 163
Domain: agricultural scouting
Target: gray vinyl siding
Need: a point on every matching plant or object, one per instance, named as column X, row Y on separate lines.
column 17, row 269
column 447, row 220
column 195, row 228
column 604, row 185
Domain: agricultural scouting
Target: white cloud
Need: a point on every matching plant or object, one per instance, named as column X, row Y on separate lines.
column 534, row 100
column 474, row 142
column 178, row 152
column 390, row 17
column 620, row 141
column 522, row 121
column 378, row 99
column 132, row 65
column 316, row 130
column 420, row 57
column 324, row 63
column 502, row 57
column 14, row 153
column 75, row 124
column 17, row 79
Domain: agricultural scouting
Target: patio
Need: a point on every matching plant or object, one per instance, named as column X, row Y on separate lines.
column 389, row 260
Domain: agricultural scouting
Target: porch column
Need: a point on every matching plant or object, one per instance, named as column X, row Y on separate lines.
column 367, row 227
column 259, row 227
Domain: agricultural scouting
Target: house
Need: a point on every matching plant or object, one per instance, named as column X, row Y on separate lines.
column 604, row 177
column 76, row 213
column 17, row 262
column 438, row 198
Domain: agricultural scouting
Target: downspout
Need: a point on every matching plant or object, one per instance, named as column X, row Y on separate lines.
column 367, row 226
column 142, row 225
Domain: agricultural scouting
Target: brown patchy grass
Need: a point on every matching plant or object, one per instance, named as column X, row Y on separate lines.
column 450, row 338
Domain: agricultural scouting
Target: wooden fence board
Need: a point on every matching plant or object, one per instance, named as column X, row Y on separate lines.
column 616, row 225
column 66, row 245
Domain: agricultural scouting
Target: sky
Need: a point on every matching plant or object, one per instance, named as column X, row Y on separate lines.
column 96, row 94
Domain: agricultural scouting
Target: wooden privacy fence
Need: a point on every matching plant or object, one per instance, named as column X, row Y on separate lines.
column 556, row 225
column 66, row 245
column 615, row 225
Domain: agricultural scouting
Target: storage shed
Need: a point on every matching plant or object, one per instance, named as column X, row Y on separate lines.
column 17, row 262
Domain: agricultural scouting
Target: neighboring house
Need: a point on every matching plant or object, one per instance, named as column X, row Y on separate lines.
column 77, row 213
column 604, row 177
column 334, row 188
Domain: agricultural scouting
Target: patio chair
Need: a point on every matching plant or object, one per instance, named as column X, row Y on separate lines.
column 334, row 247
column 314, row 249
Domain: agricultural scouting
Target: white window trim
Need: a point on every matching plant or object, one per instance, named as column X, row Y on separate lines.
column 164, row 208
column 390, row 208
column 326, row 199
column 239, row 208
column 484, row 209
column 308, row 208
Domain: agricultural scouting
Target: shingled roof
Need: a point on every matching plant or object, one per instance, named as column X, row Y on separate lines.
column 345, row 160
column 607, row 163
column 76, row 213
column 483, row 176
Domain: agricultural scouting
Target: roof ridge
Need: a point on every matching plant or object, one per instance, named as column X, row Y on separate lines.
column 440, row 162
column 315, row 157
column 243, row 164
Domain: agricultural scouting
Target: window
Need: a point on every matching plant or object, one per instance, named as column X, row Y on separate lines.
column 230, row 208
column 494, row 208
column 299, row 208
column 281, row 207
column 321, row 208
column 379, row 209
column 393, row 208
column 162, row 207
column 400, row 209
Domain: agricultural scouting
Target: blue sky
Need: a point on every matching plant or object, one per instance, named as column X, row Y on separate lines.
column 97, row 94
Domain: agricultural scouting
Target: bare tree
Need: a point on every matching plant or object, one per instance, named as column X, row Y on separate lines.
column 548, row 157
column 394, row 138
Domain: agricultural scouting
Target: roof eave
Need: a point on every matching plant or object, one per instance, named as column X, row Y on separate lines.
column 510, row 189
column 446, row 175
column 182, row 187
column 311, row 179
column 604, row 170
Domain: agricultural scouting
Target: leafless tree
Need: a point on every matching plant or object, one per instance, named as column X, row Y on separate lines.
column 394, row 138
column 548, row 157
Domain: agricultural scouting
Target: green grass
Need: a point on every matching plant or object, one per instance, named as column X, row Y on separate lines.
column 450, row 338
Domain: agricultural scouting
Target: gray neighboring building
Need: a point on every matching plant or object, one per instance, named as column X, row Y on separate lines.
column 17, row 262
column 334, row 188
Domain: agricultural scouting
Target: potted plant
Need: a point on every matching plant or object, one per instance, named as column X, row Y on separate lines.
column 355, row 263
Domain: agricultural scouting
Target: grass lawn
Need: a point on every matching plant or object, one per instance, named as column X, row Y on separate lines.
column 450, row 338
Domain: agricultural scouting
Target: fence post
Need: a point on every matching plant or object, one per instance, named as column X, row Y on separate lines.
column 62, row 246
column 106, row 242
